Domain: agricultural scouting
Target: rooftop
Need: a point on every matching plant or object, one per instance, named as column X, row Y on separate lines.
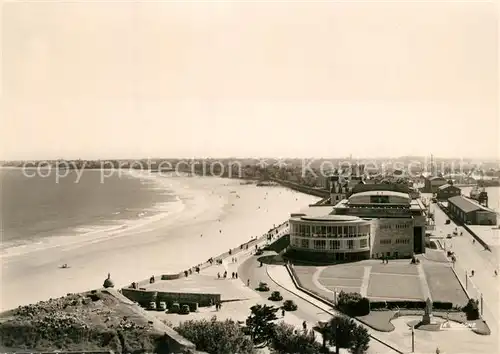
column 436, row 178
column 338, row 218
column 381, row 193
column 467, row 205
column 315, row 211
column 444, row 186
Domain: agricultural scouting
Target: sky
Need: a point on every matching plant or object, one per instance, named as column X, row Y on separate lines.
column 249, row 79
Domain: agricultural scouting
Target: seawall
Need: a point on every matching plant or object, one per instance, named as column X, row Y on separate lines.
column 303, row 189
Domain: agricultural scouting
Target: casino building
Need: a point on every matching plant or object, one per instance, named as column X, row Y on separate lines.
column 369, row 224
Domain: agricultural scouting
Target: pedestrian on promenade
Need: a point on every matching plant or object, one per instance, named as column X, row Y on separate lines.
column 282, row 312
column 218, row 275
column 496, row 272
column 225, row 274
column 232, row 275
column 248, row 282
column 236, row 275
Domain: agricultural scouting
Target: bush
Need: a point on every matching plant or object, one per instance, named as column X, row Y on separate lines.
column 377, row 305
column 442, row 305
column 419, row 305
column 216, row 336
column 286, row 339
column 472, row 310
column 263, row 287
column 353, row 304
column 289, row 305
column 275, row 296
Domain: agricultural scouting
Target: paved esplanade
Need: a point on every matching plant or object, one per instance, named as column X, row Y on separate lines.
column 470, row 257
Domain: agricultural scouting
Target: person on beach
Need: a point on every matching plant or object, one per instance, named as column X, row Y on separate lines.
column 236, row 275
column 248, row 282
column 496, row 273
column 218, row 275
column 225, row 274
column 232, row 275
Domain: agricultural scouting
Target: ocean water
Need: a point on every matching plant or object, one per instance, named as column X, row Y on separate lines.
column 35, row 208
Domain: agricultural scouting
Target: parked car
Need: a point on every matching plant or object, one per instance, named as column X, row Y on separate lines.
column 447, row 222
column 162, row 306
column 448, row 236
column 152, row 305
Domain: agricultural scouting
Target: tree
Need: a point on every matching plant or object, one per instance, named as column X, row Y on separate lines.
column 345, row 333
column 287, row 340
column 216, row 337
column 260, row 322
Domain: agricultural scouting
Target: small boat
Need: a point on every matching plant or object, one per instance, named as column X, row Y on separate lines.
column 64, row 266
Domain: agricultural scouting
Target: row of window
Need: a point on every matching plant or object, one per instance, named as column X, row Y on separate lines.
column 330, row 231
column 332, row 245
column 395, row 226
column 388, row 241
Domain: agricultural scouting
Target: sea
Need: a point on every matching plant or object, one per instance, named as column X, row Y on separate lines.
column 38, row 204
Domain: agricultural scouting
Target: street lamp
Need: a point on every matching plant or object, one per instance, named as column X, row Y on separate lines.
column 466, row 282
column 413, row 339
column 481, row 304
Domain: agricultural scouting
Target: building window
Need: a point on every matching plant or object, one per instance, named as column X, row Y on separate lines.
column 305, row 243
column 319, row 244
column 386, row 241
column 335, row 245
column 363, row 243
column 350, row 244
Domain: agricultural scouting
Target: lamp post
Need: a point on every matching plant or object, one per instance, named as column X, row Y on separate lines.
column 413, row 339
column 466, row 285
column 481, row 304
column 335, row 297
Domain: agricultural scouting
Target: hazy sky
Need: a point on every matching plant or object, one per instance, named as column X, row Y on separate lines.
column 117, row 79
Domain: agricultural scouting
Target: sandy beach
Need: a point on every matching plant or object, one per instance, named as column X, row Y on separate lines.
column 212, row 216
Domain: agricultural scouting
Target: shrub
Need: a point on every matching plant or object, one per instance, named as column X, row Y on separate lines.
column 275, row 296
column 216, row 336
column 472, row 310
column 289, row 305
column 286, row 339
column 353, row 304
column 377, row 305
column 442, row 305
column 391, row 305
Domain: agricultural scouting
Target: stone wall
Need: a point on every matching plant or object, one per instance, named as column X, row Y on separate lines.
column 144, row 297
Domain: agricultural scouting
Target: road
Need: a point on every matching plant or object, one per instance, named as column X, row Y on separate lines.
column 312, row 314
column 470, row 257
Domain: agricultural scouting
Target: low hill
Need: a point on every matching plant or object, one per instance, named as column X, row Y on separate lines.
column 92, row 321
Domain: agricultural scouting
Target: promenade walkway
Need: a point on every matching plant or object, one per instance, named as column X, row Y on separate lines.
column 472, row 256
